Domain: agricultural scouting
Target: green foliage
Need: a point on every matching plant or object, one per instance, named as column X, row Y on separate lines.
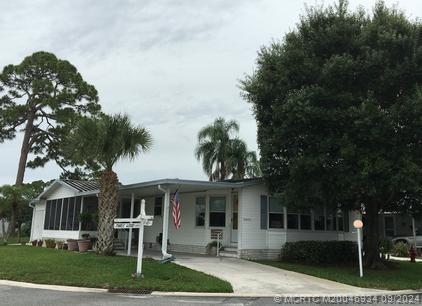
column 339, row 108
column 319, row 252
column 100, row 142
column 45, row 96
column 401, row 249
column 15, row 200
column 338, row 104
column 223, row 154
column 385, row 247
column 50, row 243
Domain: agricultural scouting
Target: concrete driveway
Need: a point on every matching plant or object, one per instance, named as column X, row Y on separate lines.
column 250, row 278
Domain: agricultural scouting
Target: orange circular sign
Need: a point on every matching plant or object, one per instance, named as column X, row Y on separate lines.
column 358, row 223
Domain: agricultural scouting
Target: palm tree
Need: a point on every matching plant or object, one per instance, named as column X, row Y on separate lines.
column 213, row 147
column 102, row 142
column 241, row 162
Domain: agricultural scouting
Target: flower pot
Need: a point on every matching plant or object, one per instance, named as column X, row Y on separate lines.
column 212, row 251
column 59, row 245
column 72, row 245
column 34, row 242
column 84, row 245
column 39, row 243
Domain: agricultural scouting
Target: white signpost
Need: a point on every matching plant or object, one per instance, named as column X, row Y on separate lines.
column 138, row 222
column 358, row 224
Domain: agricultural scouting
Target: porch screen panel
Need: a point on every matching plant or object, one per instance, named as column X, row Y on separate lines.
column 319, row 219
column 58, row 215
column 77, row 212
column 64, row 214
column 305, row 219
column 264, row 211
column 47, row 215
column 346, row 220
column 70, row 214
column 52, row 215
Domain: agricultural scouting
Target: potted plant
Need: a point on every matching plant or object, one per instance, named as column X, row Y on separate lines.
column 50, row 244
column 39, row 243
column 34, row 242
column 84, row 244
column 59, row 245
column 72, row 245
column 212, row 248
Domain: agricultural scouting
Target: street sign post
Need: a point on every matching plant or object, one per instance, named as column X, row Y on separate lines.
column 358, row 224
column 138, row 222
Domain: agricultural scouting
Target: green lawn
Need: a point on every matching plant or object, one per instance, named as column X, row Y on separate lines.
column 50, row 266
column 405, row 275
column 12, row 240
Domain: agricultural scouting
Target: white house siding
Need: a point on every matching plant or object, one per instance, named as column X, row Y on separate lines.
column 257, row 243
column 188, row 238
column 38, row 215
column 6, row 226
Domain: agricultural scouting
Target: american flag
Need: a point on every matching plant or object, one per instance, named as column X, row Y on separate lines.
column 176, row 210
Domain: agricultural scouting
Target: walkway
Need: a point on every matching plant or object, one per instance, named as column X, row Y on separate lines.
column 250, row 278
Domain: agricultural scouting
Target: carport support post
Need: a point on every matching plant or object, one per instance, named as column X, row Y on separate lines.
column 165, row 221
column 129, row 243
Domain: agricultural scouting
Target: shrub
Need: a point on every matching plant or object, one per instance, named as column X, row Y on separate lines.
column 401, row 249
column 50, row 243
column 320, row 252
column 385, row 247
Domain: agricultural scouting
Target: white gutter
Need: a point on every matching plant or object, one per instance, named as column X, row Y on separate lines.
column 165, row 222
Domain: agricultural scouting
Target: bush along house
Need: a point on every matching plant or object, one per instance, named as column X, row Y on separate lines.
column 243, row 215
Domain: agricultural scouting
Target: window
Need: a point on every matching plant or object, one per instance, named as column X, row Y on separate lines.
column 292, row 218
column 319, row 219
column 275, row 213
column 331, row 220
column 77, row 213
column 62, row 214
column 52, row 215
column 389, row 226
column 218, row 211
column 305, row 219
column 158, row 206
column 200, row 211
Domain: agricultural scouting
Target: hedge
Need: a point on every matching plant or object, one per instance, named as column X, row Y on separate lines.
column 320, row 252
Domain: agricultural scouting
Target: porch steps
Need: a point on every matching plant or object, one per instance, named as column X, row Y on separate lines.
column 229, row 252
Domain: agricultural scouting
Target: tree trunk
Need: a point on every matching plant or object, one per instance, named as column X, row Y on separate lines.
column 372, row 257
column 22, row 165
column 107, row 212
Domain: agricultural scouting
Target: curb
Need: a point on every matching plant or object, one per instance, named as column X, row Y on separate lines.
column 201, row 294
column 52, row 287
column 273, row 295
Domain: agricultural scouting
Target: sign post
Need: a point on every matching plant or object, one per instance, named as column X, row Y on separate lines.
column 138, row 222
column 358, row 224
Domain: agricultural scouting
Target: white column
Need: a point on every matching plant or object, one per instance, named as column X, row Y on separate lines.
column 165, row 221
column 129, row 243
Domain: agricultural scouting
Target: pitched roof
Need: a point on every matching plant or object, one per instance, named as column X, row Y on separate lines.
column 82, row 186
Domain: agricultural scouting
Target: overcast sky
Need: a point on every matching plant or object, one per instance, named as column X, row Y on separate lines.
column 173, row 66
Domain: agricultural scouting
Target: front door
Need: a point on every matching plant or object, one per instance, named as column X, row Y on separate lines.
column 235, row 208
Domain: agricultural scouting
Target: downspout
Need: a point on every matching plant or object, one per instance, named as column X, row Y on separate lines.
column 165, row 222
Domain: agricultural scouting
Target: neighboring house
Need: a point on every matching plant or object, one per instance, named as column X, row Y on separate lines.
column 3, row 224
column 253, row 223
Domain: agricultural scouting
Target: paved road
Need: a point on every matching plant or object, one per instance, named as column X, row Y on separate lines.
column 16, row 296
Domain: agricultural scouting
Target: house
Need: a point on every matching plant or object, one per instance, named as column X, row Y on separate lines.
column 250, row 222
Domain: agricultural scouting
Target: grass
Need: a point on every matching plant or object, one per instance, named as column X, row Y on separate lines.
column 13, row 240
column 404, row 275
column 60, row 267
